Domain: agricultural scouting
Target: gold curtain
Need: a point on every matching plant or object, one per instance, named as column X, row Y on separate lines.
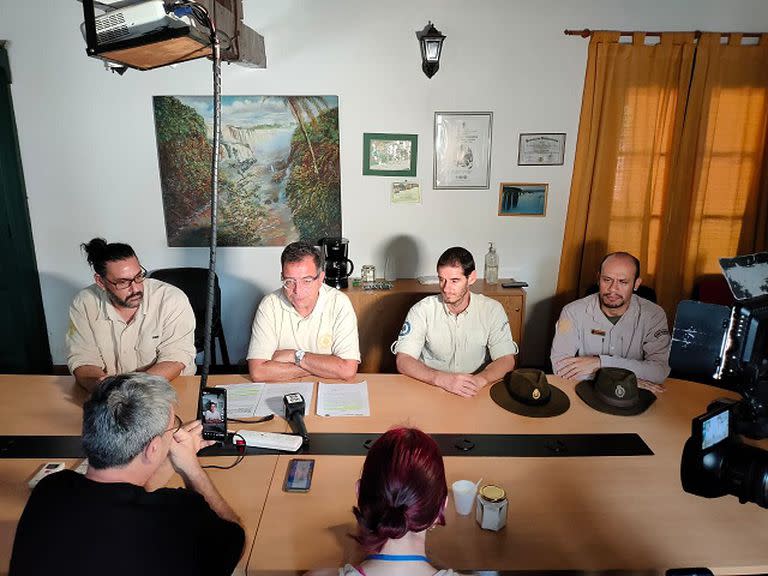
column 669, row 160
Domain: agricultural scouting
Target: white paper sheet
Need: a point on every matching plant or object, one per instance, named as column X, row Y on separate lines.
column 258, row 399
column 343, row 399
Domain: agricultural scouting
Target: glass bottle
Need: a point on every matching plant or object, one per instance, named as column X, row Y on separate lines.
column 491, row 265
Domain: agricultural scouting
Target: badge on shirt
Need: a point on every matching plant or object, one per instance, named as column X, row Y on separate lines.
column 325, row 341
column 406, row 329
column 598, row 332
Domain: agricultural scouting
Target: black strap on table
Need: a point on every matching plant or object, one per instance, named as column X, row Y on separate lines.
column 492, row 445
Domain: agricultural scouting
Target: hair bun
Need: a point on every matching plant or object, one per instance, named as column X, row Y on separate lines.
column 394, row 520
column 95, row 249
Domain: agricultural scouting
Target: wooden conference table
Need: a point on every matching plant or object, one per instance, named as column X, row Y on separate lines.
column 565, row 513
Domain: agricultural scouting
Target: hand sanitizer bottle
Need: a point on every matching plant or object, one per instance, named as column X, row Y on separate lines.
column 491, row 265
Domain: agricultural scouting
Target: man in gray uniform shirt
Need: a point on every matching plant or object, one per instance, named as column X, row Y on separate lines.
column 613, row 328
column 456, row 340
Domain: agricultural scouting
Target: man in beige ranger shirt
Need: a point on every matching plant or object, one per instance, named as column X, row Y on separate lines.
column 456, row 340
column 125, row 322
column 613, row 328
column 304, row 328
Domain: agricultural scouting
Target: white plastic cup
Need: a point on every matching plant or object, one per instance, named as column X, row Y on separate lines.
column 463, row 496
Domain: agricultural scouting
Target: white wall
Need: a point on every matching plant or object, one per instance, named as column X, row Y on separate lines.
column 88, row 146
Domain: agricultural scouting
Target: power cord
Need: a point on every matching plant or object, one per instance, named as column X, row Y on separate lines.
column 239, row 458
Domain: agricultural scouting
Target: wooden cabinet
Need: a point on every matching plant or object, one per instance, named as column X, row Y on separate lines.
column 380, row 315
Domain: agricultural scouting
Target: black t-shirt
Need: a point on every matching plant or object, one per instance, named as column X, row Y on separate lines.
column 73, row 525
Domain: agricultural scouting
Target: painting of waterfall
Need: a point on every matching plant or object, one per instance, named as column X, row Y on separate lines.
column 279, row 175
column 522, row 199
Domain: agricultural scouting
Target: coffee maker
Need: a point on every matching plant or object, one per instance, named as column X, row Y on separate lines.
column 338, row 268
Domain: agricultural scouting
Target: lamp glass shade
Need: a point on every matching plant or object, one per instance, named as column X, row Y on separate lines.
column 432, row 49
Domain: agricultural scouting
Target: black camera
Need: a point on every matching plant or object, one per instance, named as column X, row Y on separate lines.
column 728, row 347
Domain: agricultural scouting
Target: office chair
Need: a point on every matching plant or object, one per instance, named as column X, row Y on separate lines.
column 194, row 283
column 713, row 289
column 643, row 291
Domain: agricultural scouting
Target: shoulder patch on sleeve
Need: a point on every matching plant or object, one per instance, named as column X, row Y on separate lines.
column 564, row 325
column 406, row 329
column 661, row 332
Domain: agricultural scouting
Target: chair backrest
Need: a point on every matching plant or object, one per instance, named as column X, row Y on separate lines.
column 713, row 289
column 194, row 283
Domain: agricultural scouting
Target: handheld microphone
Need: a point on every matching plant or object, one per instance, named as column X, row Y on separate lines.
column 294, row 413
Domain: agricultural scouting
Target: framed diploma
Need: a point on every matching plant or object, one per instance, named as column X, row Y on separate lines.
column 541, row 149
column 462, row 159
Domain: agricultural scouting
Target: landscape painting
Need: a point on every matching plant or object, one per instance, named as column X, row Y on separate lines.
column 279, row 176
column 522, row 199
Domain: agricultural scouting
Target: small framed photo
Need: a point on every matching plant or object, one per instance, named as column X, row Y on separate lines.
column 389, row 154
column 405, row 192
column 462, row 158
column 523, row 199
column 541, row 149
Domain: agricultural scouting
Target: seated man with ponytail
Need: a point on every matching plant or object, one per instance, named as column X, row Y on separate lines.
column 126, row 322
column 401, row 495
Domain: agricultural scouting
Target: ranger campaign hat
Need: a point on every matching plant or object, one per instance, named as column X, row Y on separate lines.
column 615, row 391
column 525, row 391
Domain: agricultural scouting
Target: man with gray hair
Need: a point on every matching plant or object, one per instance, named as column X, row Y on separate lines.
column 118, row 518
column 306, row 327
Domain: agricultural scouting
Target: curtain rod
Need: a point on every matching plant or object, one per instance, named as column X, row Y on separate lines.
column 586, row 33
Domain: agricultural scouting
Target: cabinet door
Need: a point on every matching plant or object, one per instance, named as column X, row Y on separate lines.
column 513, row 306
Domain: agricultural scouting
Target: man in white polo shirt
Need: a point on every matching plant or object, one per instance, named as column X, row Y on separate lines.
column 456, row 340
column 304, row 328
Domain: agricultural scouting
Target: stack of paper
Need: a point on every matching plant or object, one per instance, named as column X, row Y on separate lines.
column 343, row 399
column 428, row 280
column 259, row 399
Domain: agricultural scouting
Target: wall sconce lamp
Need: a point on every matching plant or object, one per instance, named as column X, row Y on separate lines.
column 431, row 43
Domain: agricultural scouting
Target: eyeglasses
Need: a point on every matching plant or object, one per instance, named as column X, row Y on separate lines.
column 124, row 283
column 178, row 424
column 291, row 283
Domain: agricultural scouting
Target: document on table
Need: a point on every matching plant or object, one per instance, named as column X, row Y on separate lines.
column 343, row 399
column 259, row 399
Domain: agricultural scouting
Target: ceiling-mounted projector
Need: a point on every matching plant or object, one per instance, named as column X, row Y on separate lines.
column 133, row 21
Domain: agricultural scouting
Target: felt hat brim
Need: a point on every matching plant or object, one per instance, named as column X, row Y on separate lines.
column 558, row 402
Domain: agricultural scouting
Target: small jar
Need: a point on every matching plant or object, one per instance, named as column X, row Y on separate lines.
column 368, row 273
column 491, row 509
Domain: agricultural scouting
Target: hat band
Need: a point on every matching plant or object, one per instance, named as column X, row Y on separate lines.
column 616, row 402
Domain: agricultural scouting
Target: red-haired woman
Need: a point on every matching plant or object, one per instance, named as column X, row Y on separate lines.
column 401, row 495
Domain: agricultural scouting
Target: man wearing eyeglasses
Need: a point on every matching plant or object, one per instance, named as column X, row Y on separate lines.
column 304, row 328
column 119, row 518
column 125, row 322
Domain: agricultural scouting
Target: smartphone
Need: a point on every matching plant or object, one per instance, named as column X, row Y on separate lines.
column 298, row 477
column 213, row 413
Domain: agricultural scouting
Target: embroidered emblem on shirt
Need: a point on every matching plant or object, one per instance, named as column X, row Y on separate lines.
column 325, row 341
column 620, row 391
column 536, row 394
column 564, row 325
column 662, row 332
column 406, row 329
column 598, row 332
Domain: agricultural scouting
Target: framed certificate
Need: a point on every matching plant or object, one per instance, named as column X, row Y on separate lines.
column 462, row 156
column 541, row 149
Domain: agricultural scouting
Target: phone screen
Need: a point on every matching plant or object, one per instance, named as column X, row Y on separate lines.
column 298, row 477
column 213, row 408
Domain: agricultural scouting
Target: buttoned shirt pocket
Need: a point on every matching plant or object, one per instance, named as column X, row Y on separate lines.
column 594, row 343
column 439, row 345
column 146, row 349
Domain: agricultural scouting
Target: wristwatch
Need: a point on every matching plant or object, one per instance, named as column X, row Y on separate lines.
column 298, row 356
